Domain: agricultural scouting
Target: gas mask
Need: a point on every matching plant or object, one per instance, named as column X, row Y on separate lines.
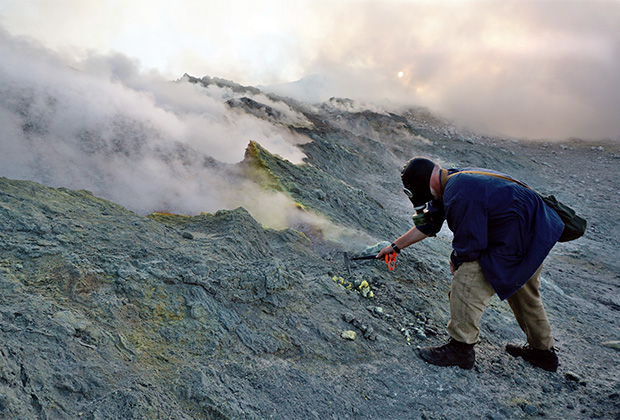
column 422, row 215
column 416, row 175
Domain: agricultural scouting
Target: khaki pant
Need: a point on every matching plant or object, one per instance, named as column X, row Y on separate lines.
column 470, row 294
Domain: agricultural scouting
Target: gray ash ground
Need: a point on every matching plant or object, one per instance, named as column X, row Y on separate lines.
column 105, row 313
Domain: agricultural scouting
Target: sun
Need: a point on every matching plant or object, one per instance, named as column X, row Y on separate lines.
column 400, row 74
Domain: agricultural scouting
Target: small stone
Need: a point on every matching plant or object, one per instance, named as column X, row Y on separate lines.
column 406, row 333
column 72, row 321
column 348, row 335
column 188, row 235
column 320, row 194
column 429, row 330
column 370, row 334
column 348, row 317
column 612, row 344
column 571, row 376
column 530, row 409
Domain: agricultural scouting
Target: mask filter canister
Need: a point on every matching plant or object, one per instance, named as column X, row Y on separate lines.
column 421, row 216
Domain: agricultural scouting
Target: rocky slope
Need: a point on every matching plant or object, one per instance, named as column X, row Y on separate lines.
column 105, row 313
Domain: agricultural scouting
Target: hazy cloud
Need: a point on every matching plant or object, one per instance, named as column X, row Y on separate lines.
column 541, row 69
column 134, row 138
column 523, row 68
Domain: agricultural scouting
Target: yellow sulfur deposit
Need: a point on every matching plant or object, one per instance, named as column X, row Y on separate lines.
column 348, row 335
column 363, row 288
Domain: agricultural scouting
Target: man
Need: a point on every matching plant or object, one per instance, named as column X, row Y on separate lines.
column 502, row 233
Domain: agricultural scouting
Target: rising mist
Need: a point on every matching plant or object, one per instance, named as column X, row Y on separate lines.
column 134, row 138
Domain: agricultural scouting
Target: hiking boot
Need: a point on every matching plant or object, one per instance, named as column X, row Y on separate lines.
column 544, row 359
column 454, row 353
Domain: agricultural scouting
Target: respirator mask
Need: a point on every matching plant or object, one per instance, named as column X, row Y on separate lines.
column 416, row 175
column 422, row 215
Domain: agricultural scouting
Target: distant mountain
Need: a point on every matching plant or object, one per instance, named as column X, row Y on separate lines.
column 106, row 313
column 315, row 88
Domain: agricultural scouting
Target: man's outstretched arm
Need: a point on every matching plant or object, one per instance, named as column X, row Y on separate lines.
column 412, row 236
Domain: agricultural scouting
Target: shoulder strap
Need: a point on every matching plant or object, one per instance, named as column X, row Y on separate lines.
column 493, row 175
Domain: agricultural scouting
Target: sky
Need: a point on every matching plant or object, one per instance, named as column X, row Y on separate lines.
column 540, row 69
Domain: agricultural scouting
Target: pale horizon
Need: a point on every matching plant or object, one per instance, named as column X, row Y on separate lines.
column 527, row 69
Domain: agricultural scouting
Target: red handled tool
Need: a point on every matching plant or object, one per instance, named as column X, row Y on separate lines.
column 390, row 260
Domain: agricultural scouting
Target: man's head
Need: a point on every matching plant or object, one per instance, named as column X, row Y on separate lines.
column 416, row 176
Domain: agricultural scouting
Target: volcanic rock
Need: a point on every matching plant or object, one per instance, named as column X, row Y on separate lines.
column 106, row 313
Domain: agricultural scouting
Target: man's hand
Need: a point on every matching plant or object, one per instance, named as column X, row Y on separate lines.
column 385, row 251
column 452, row 268
column 411, row 237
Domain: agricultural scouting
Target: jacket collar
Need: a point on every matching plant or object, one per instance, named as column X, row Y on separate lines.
column 443, row 179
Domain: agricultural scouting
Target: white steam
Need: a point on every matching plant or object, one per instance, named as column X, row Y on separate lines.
column 134, row 138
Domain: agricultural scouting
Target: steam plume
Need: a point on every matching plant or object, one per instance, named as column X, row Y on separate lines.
column 134, row 138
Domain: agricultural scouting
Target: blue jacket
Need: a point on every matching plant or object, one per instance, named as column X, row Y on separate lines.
column 504, row 226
